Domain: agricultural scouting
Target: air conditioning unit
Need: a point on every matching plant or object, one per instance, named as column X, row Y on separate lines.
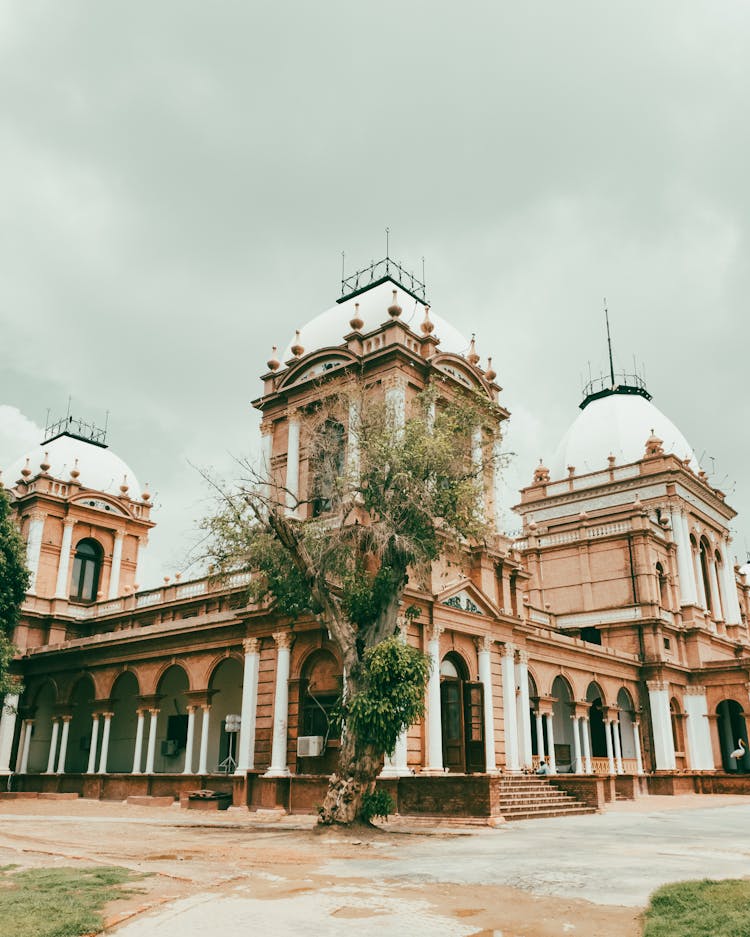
column 309, row 746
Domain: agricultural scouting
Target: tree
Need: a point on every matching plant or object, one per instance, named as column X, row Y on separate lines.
column 14, row 581
column 389, row 492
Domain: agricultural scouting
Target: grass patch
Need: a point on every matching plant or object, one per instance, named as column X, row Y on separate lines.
column 700, row 909
column 58, row 902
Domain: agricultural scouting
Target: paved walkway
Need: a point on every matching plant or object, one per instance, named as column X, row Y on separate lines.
column 584, row 876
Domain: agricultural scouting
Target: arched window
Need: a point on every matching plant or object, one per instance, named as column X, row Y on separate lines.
column 663, row 590
column 87, row 568
column 705, row 559
column 320, row 692
column 326, row 466
column 676, row 718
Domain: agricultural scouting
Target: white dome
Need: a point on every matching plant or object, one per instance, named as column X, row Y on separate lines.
column 618, row 424
column 101, row 470
column 330, row 327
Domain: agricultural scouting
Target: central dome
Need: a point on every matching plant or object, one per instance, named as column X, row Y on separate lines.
column 617, row 424
column 330, row 327
column 100, row 469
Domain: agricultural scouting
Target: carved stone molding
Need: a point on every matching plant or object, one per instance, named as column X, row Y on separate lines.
column 283, row 639
column 250, row 645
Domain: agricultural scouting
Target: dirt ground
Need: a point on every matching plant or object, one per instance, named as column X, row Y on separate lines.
column 186, row 856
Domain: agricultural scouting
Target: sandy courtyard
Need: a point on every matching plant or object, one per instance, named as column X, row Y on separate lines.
column 585, row 876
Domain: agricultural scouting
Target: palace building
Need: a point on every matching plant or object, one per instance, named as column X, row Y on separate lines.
column 610, row 637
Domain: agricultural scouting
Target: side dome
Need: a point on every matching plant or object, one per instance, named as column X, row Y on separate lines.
column 617, row 424
column 329, row 328
column 100, row 469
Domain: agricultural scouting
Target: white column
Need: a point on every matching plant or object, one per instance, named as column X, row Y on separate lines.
column 637, row 742
column 685, row 568
column 246, row 745
column 586, row 730
column 34, row 547
column 279, row 767
column 91, row 769
column 7, row 730
column 434, row 716
column 698, row 729
column 292, row 464
column 151, row 750
column 395, row 401
column 352, row 442
column 661, row 720
column 190, row 741
column 397, row 765
column 63, row 745
column 540, row 736
column 53, row 747
column 551, row 744
column 618, row 747
column 477, row 464
column 114, row 573
column 510, row 722
column 717, row 612
column 608, row 740
column 61, row 588
column 28, row 730
column 266, row 455
column 524, row 708
column 105, row 743
column 577, row 763
column 732, row 613
column 203, row 755
column 484, row 651
column 138, row 751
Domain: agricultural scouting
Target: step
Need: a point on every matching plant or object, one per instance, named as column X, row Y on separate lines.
column 557, row 812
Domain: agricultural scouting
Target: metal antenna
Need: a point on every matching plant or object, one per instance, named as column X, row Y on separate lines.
column 343, row 271
column 424, row 281
column 106, row 423
column 67, row 415
column 609, row 343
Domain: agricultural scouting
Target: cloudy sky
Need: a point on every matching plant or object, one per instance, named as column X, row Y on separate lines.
column 178, row 180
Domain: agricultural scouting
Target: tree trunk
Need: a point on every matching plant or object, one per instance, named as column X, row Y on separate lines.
column 354, row 777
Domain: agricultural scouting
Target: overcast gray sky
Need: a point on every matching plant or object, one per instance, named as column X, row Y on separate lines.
column 177, row 181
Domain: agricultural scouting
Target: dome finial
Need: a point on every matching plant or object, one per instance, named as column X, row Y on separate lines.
column 298, row 348
column 26, row 471
column 427, row 326
column 44, row 464
column 124, row 486
column 356, row 321
column 473, row 357
column 490, row 374
column 74, row 473
column 146, row 496
column 394, row 310
column 541, row 474
column 273, row 362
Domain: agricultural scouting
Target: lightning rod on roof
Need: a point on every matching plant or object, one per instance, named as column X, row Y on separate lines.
column 609, row 343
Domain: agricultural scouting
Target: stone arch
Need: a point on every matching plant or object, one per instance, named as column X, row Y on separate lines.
column 167, row 666
column 300, row 662
column 731, row 725
column 225, row 682
column 455, row 659
column 171, row 726
column 597, row 722
column 562, row 692
column 124, row 708
column 216, row 662
column 81, row 700
column 45, row 707
column 626, row 722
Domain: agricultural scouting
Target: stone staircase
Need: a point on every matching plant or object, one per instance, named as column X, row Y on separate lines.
column 525, row 797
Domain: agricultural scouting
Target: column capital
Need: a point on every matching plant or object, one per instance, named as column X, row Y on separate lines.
column 119, row 535
column 657, row 685
column 484, row 643
column 694, row 691
column 434, row 631
column 69, row 523
column 36, row 514
column 65, row 718
column 293, row 414
column 507, row 649
column 523, row 655
column 283, row 639
column 250, row 645
column 266, row 427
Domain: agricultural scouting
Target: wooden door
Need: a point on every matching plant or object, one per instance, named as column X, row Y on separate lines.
column 474, row 727
column 452, row 711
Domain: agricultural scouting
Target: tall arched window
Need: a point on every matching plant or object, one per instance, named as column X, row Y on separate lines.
column 705, row 559
column 327, row 466
column 87, row 568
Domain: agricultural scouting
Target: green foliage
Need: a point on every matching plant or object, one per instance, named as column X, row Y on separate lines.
column 377, row 803
column 392, row 681
column 699, row 909
column 58, row 902
column 14, row 581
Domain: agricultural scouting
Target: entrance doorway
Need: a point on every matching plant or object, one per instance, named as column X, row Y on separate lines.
column 462, row 717
column 732, row 730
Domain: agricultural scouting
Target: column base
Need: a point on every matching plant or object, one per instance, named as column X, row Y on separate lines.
column 394, row 772
column 278, row 773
